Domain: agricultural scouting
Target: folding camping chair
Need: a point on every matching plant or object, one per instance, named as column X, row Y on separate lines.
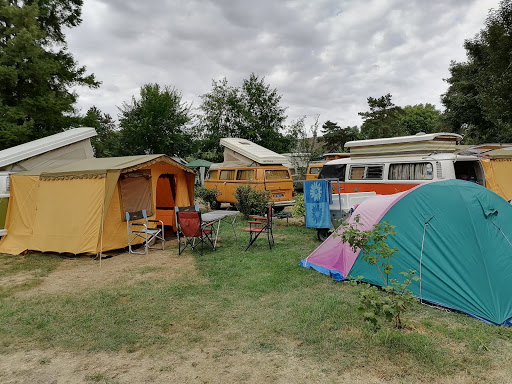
column 134, row 222
column 260, row 225
column 192, row 230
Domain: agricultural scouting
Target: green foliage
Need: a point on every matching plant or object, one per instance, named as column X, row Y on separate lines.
column 299, row 210
column 376, row 251
column 306, row 148
column 36, row 70
column 252, row 112
column 206, row 195
column 251, row 201
column 382, row 120
column 334, row 137
column 155, row 123
column 478, row 98
column 421, row 118
column 104, row 143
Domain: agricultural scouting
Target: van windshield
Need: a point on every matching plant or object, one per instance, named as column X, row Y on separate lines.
column 333, row 171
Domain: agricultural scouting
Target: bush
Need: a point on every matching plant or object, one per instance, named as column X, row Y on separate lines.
column 206, row 195
column 298, row 210
column 251, row 201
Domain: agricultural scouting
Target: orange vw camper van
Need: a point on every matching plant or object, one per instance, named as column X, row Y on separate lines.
column 246, row 163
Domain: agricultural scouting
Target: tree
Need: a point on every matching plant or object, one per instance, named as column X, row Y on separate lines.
column 36, row 70
column 306, row 146
column 155, row 124
column 382, row 120
column 479, row 95
column 421, row 118
column 104, row 143
column 252, row 112
column 334, row 137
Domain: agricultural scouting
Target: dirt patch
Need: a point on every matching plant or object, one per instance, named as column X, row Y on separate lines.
column 83, row 273
column 208, row 365
column 17, row 279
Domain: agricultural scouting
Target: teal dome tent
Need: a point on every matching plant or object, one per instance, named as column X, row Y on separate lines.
column 456, row 234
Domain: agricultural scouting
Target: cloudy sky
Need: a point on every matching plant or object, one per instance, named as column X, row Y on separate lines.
column 325, row 57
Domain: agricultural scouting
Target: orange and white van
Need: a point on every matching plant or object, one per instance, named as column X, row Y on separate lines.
column 276, row 179
column 397, row 164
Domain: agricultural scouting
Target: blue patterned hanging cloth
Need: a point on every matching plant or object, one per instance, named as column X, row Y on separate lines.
column 317, row 195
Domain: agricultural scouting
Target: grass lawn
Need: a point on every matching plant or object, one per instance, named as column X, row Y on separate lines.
column 228, row 316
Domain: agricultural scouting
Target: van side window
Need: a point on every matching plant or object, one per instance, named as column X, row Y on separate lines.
column 315, row 170
column 366, row 172
column 276, row 174
column 245, row 174
column 227, row 174
column 411, row 171
column 212, row 175
column 357, row 173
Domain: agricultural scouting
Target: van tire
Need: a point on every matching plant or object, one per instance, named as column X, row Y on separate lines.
column 322, row 234
column 215, row 205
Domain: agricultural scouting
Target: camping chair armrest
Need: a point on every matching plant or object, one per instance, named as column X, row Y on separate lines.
column 209, row 224
column 255, row 222
column 142, row 224
column 259, row 218
column 156, row 221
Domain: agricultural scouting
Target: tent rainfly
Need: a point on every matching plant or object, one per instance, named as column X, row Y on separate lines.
column 80, row 207
column 456, row 234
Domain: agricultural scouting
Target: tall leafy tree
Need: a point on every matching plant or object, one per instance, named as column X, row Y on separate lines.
column 421, row 118
column 382, row 120
column 252, row 111
column 105, row 142
column 155, row 123
column 306, row 145
column 334, row 137
column 479, row 95
column 36, row 70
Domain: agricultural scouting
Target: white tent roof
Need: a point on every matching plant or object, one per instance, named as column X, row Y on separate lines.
column 37, row 147
column 252, row 151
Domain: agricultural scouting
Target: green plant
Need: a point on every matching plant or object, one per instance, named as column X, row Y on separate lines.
column 206, row 195
column 251, row 201
column 376, row 251
column 298, row 210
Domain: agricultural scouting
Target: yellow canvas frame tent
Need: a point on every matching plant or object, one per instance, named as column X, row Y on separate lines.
column 80, row 207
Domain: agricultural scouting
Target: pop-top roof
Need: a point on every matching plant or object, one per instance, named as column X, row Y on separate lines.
column 252, row 151
column 37, row 147
column 404, row 145
column 441, row 136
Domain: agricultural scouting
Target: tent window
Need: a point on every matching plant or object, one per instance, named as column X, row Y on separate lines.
column 411, row 171
column 246, row 174
column 227, row 175
column 135, row 190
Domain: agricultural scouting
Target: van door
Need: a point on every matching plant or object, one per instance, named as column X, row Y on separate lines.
column 470, row 170
column 226, row 186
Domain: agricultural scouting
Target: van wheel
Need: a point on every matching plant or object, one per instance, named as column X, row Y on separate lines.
column 323, row 234
column 215, row 205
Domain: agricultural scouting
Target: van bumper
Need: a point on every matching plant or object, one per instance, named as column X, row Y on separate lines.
column 283, row 203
